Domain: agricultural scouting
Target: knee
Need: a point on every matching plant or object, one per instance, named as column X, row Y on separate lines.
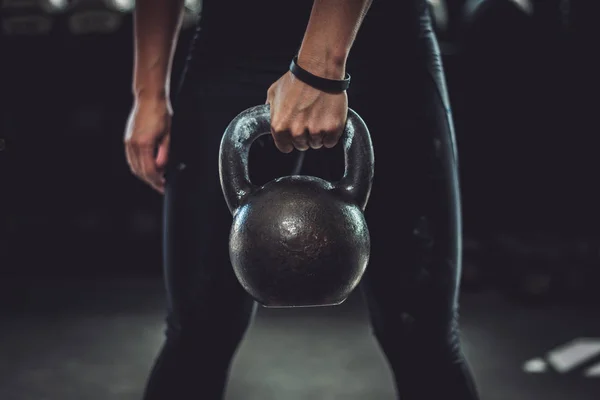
column 211, row 327
column 413, row 339
column 392, row 335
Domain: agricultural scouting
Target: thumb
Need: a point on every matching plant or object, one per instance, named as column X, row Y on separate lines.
column 162, row 156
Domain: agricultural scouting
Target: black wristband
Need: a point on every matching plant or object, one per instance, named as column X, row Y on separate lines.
column 323, row 84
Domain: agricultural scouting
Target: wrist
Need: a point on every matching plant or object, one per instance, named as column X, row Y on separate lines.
column 151, row 94
column 153, row 100
column 324, row 64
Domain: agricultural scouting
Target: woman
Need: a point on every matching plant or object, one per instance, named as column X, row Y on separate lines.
column 240, row 59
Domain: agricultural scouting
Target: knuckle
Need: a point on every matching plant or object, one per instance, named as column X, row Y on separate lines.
column 298, row 130
column 134, row 142
column 277, row 127
column 297, row 133
column 145, row 143
column 313, row 129
column 278, row 123
column 333, row 127
column 141, row 141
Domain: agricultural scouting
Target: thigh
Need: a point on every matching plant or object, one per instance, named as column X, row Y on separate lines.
column 413, row 213
column 200, row 281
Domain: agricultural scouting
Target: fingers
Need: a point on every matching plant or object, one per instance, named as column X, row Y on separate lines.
column 280, row 131
column 315, row 139
column 325, row 133
column 332, row 133
column 162, row 156
column 302, row 137
column 299, row 136
column 282, row 138
column 294, row 129
column 143, row 163
column 148, row 168
column 131, row 159
column 287, row 139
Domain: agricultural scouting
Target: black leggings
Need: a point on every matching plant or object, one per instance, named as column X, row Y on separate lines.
column 412, row 281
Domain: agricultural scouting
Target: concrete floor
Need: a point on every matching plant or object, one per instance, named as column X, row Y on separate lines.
column 97, row 340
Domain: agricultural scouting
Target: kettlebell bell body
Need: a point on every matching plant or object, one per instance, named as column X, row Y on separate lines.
column 297, row 241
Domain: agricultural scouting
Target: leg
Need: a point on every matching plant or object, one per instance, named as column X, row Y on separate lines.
column 412, row 282
column 208, row 311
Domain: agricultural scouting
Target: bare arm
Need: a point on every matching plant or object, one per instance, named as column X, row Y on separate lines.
column 329, row 36
column 147, row 134
column 156, row 29
column 303, row 117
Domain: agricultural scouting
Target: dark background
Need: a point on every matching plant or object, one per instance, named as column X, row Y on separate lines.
column 523, row 88
column 72, row 207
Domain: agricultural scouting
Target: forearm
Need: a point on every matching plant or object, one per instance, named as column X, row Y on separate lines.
column 156, row 29
column 329, row 36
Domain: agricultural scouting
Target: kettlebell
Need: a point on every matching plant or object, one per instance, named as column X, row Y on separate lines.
column 297, row 241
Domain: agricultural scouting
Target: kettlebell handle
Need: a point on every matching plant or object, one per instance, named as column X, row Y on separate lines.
column 255, row 122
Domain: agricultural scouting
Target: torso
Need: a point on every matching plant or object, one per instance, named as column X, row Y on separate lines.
column 243, row 29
